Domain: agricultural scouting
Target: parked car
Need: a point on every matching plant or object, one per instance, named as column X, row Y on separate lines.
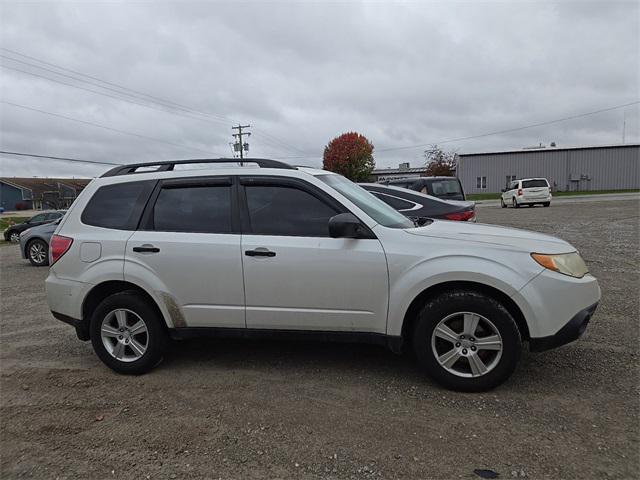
column 447, row 188
column 34, row 243
column 12, row 233
column 526, row 191
column 419, row 206
column 267, row 249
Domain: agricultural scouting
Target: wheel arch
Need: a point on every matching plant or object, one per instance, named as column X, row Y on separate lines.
column 110, row 287
column 411, row 314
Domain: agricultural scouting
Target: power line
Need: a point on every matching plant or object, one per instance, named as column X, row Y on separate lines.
column 93, row 124
column 64, row 159
column 511, row 130
column 122, row 90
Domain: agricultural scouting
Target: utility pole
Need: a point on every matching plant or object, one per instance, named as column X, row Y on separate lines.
column 241, row 146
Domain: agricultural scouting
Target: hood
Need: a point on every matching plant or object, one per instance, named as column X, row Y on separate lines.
column 512, row 238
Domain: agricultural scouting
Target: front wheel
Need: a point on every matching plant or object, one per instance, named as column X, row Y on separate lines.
column 546, row 204
column 14, row 236
column 502, row 204
column 467, row 341
column 514, row 202
column 127, row 333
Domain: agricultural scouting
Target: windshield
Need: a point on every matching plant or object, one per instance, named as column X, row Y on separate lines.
column 372, row 206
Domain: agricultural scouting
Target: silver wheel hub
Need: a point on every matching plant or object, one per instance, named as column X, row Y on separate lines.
column 124, row 335
column 15, row 237
column 466, row 344
column 37, row 253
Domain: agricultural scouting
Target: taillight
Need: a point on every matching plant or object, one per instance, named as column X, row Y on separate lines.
column 465, row 216
column 58, row 246
column 519, row 192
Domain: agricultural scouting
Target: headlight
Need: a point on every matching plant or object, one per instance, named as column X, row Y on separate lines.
column 566, row 263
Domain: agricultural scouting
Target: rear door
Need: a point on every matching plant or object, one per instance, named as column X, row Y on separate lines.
column 296, row 276
column 187, row 250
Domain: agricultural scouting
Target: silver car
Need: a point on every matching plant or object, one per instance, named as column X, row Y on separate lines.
column 34, row 243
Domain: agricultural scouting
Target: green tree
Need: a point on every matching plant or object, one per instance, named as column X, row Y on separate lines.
column 350, row 155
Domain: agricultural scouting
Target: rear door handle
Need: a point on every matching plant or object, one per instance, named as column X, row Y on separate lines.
column 259, row 252
column 146, row 249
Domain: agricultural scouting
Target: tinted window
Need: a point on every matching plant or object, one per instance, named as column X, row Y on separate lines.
column 53, row 216
column 117, row 206
column 280, row 210
column 395, row 202
column 534, row 183
column 203, row 209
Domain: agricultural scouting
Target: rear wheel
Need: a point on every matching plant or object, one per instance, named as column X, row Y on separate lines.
column 38, row 253
column 127, row 333
column 467, row 341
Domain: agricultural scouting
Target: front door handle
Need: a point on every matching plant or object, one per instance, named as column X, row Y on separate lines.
column 146, row 249
column 259, row 252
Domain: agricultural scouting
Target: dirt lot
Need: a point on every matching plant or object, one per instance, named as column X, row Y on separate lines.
column 302, row 410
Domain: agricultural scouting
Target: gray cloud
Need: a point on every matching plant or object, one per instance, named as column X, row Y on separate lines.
column 302, row 73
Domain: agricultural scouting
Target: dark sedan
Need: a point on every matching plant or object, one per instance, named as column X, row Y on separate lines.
column 12, row 233
column 418, row 206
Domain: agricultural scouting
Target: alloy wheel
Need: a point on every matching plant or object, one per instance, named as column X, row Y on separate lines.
column 466, row 344
column 14, row 237
column 124, row 335
column 37, row 252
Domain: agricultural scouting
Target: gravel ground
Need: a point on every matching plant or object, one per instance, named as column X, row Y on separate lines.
column 241, row 409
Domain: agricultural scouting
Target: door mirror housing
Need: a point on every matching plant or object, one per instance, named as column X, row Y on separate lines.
column 347, row 225
column 503, row 190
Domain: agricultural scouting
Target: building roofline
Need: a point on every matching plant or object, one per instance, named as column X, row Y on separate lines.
column 551, row 149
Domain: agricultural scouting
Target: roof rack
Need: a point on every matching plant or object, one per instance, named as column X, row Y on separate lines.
column 168, row 165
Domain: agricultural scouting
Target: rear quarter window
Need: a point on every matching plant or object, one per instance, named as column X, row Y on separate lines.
column 117, row 206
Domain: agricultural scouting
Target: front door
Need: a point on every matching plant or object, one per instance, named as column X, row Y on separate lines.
column 188, row 252
column 296, row 276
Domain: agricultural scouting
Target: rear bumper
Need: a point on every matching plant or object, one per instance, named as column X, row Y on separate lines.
column 570, row 332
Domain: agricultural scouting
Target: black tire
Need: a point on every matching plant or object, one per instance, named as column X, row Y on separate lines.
column 36, row 258
column 455, row 301
column 157, row 335
column 514, row 202
column 502, row 204
column 546, row 204
column 10, row 234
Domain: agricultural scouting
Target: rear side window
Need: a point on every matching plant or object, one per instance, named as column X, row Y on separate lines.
column 448, row 187
column 117, row 206
column 287, row 211
column 198, row 209
column 534, row 183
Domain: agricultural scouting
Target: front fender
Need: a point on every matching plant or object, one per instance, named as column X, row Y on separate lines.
column 450, row 268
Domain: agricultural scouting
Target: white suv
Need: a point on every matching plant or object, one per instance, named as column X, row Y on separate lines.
column 267, row 249
column 527, row 191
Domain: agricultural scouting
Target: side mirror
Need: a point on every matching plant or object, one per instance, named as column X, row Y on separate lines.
column 347, row 225
column 503, row 190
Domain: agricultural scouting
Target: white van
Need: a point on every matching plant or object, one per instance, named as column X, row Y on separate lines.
column 526, row 191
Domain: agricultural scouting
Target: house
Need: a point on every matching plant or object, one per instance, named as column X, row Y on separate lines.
column 39, row 193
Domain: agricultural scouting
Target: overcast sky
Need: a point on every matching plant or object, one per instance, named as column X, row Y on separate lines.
column 402, row 74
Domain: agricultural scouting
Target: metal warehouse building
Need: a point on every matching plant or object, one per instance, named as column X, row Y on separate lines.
column 611, row 167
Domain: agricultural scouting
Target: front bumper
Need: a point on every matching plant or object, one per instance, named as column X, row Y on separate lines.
column 570, row 332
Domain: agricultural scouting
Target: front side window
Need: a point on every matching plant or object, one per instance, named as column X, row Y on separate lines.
column 287, row 211
column 196, row 209
column 379, row 211
column 117, row 206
